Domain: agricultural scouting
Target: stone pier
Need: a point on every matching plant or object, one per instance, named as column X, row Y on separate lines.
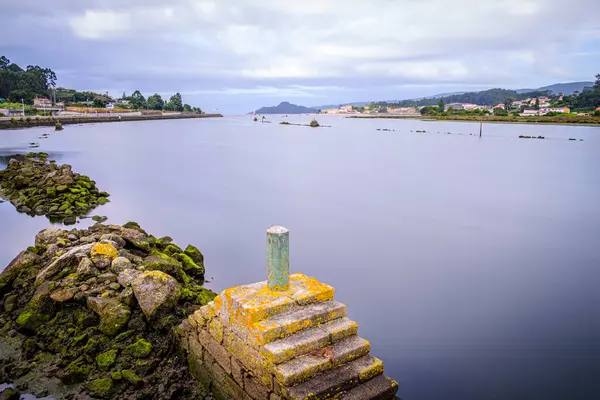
column 285, row 338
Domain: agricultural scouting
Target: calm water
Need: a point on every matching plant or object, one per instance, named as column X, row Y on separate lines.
column 472, row 265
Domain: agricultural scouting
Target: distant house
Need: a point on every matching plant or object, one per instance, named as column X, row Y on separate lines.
column 598, row 109
column 544, row 111
column 501, row 105
column 345, row 109
column 40, row 102
column 463, row 106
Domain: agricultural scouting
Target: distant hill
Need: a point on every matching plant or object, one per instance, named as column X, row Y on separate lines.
column 564, row 88
column 286, row 108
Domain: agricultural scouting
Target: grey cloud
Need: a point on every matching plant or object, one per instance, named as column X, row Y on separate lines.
column 225, row 52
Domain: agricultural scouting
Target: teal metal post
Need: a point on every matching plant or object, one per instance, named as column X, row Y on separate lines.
column 278, row 258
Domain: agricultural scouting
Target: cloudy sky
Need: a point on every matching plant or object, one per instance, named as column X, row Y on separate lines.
column 237, row 55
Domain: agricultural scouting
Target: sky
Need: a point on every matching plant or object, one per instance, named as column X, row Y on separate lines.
column 235, row 56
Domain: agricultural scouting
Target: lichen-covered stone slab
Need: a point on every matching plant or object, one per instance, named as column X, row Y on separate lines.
column 301, row 368
column 379, row 388
column 330, row 382
column 349, row 349
column 340, row 328
column 287, row 348
column 295, row 320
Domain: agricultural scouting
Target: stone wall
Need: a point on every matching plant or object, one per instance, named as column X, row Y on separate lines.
column 252, row 343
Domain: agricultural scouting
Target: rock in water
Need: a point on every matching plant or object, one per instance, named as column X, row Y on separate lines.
column 113, row 315
column 37, row 187
column 154, row 290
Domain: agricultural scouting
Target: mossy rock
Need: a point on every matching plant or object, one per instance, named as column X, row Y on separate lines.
column 139, row 349
column 172, row 249
column 190, row 267
column 194, row 254
column 106, row 359
column 10, row 394
column 100, row 387
column 131, row 377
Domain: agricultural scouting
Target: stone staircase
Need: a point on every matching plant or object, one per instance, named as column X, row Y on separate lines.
column 295, row 344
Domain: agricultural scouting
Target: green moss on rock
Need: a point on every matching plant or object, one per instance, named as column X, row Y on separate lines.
column 131, row 377
column 139, row 349
column 100, row 387
column 106, row 359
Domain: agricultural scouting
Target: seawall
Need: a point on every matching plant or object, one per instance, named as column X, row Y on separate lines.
column 32, row 121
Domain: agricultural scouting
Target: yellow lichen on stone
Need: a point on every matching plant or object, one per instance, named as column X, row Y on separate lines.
column 105, row 249
column 376, row 368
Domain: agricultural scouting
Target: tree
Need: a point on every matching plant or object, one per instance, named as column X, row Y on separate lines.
column 537, row 104
column 138, row 100
column 187, row 108
column 100, row 102
column 175, row 103
column 499, row 111
column 155, row 102
column 450, row 110
column 429, row 110
column 4, row 62
column 442, row 105
column 508, row 103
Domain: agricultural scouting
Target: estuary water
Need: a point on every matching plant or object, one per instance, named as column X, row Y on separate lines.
column 472, row 265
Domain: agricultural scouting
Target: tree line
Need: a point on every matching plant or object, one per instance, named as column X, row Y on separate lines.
column 18, row 84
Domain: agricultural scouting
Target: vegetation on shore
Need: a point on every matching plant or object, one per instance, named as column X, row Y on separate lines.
column 554, row 119
column 91, row 312
column 23, row 85
column 36, row 186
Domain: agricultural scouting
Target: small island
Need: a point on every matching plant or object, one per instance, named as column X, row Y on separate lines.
column 286, row 108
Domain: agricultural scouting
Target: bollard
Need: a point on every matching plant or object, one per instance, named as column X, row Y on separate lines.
column 278, row 258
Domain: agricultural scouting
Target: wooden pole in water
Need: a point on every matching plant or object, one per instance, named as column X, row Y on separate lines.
column 480, row 127
column 278, row 258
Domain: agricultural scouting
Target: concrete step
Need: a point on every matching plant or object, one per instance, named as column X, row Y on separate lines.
column 305, row 341
column 337, row 380
column 291, row 321
column 378, row 388
column 308, row 365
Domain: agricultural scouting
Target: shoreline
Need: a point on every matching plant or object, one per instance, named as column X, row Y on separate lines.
column 47, row 121
column 584, row 121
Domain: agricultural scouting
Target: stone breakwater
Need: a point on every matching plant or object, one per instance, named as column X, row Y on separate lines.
column 36, row 186
column 254, row 343
column 90, row 313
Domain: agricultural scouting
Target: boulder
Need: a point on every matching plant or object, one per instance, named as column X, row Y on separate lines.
column 162, row 262
column 113, row 315
column 120, row 264
column 126, row 276
column 154, row 290
column 135, row 238
column 52, row 235
column 86, row 268
column 64, row 261
column 60, row 296
column 102, row 254
column 115, row 238
column 25, row 259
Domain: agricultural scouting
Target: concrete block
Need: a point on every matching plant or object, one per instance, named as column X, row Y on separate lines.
column 215, row 327
column 307, row 290
column 300, row 369
column 224, row 387
column 371, row 370
column 219, row 353
column 300, row 343
column 208, row 311
column 200, row 321
column 349, row 349
column 248, row 356
column 382, row 388
column 195, row 348
column 330, row 382
column 192, row 321
column 255, row 389
column 295, row 320
column 237, row 371
column 340, row 328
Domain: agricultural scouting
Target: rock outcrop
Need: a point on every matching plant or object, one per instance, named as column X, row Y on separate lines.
column 36, row 186
column 91, row 313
